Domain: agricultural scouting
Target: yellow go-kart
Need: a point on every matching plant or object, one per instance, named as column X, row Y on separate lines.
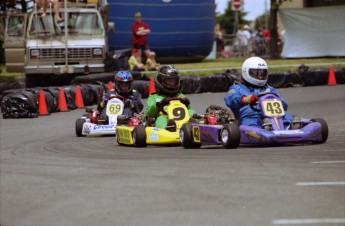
column 139, row 132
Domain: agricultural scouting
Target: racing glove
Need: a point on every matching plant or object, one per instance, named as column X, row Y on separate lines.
column 186, row 102
column 251, row 99
column 162, row 103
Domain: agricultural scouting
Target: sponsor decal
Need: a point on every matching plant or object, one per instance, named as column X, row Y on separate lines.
column 288, row 132
column 103, row 127
column 86, row 129
column 153, row 136
column 156, row 129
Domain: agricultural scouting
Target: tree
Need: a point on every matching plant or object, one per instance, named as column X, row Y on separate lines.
column 275, row 4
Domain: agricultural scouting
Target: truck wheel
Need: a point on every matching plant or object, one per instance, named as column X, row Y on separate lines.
column 324, row 130
column 230, row 135
column 79, row 127
column 139, row 136
column 186, row 137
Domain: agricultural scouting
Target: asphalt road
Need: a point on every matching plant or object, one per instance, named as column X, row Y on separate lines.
column 48, row 176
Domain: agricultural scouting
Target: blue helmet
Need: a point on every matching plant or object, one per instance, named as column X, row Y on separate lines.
column 123, row 82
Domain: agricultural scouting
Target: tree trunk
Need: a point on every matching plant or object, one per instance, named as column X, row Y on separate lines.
column 274, row 53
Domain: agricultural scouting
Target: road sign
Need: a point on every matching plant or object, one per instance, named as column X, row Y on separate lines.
column 236, row 5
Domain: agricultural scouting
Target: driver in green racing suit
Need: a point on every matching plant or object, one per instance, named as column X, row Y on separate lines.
column 167, row 83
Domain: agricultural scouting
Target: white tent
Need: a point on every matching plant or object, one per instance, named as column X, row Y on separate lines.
column 313, row 32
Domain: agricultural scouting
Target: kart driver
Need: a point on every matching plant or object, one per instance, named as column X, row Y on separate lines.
column 241, row 95
column 167, row 84
column 123, row 87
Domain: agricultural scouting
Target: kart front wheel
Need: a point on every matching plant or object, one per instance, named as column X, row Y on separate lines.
column 79, row 127
column 186, row 137
column 230, row 135
column 324, row 129
column 139, row 136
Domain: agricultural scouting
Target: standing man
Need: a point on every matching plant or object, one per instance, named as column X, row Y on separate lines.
column 243, row 36
column 139, row 37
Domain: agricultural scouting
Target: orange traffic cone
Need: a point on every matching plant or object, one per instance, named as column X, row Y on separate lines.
column 152, row 87
column 331, row 76
column 62, row 105
column 110, row 85
column 42, row 105
column 79, row 97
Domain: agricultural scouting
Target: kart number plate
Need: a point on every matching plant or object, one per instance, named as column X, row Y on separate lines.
column 114, row 109
column 273, row 108
column 196, row 133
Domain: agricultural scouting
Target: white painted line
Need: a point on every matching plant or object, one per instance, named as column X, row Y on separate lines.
column 334, row 150
column 309, row 221
column 328, row 162
column 321, row 183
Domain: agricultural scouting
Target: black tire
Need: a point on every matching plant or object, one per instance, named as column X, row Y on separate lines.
column 139, row 136
column 79, row 127
column 324, row 130
column 186, row 137
column 233, row 133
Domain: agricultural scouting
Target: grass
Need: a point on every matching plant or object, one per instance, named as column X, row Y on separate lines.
column 213, row 66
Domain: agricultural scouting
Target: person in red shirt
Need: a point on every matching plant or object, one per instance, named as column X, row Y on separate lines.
column 139, row 38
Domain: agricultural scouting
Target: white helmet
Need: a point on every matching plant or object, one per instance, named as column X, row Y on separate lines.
column 255, row 71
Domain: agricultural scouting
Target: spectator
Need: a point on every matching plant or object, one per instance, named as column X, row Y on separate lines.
column 139, row 37
column 44, row 5
column 151, row 63
column 135, row 61
column 219, row 36
column 243, row 37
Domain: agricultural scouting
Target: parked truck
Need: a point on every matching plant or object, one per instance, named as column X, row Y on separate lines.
column 45, row 50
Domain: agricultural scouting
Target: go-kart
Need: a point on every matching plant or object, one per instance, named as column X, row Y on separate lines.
column 92, row 124
column 145, row 132
column 273, row 131
column 216, row 127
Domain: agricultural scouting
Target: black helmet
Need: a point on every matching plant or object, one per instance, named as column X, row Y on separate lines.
column 168, row 80
column 123, row 82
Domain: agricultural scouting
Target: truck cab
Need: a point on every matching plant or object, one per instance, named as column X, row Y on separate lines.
column 42, row 48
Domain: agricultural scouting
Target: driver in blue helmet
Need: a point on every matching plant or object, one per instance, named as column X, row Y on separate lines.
column 123, row 87
column 241, row 95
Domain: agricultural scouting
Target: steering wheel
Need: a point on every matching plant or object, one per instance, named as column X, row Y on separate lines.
column 170, row 99
column 118, row 97
column 253, row 106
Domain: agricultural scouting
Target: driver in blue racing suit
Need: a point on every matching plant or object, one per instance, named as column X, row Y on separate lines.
column 241, row 95
column 123, row 87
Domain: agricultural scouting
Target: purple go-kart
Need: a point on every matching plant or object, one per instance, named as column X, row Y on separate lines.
column 216, row 127
column 273, row 131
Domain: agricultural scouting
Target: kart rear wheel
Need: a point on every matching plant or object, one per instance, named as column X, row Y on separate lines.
column 139, row 136
column 79, row 127
column 230, row 135
column 186, row 137
column 324, row 130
